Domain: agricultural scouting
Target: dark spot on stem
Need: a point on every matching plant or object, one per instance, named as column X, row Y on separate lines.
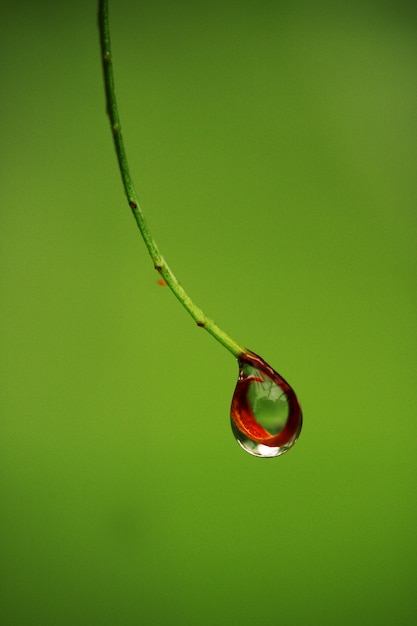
column 158, row 268
column 201, row 324
column 133, row 205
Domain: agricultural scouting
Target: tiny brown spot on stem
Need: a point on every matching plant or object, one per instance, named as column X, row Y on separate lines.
column 133, row 205
column 158, row 268
column 201, row 324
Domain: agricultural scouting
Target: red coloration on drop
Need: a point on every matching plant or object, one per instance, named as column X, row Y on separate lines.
column 162, row 282
column 242, row 412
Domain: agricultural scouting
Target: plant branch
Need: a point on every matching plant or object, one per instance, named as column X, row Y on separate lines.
column 158, row 260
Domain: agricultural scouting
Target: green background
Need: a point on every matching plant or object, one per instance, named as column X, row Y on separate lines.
column 273, row 146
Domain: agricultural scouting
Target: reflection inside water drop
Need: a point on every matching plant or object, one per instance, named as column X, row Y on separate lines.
column 266, row 417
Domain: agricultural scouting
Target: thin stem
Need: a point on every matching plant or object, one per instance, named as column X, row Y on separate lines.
column 158, row 260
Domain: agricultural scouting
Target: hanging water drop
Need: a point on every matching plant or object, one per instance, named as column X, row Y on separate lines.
column 265, row 415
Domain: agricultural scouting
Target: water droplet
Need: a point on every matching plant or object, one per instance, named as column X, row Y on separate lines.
column 265, row 415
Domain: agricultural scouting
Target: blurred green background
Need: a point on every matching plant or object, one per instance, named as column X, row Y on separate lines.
column 273, row 146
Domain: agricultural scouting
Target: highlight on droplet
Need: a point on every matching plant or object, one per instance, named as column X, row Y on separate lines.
column 266, row 416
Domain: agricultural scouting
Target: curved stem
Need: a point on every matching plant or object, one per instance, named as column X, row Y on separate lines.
column 158, row 260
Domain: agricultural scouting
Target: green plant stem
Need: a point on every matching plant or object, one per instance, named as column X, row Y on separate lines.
column 158, row 260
